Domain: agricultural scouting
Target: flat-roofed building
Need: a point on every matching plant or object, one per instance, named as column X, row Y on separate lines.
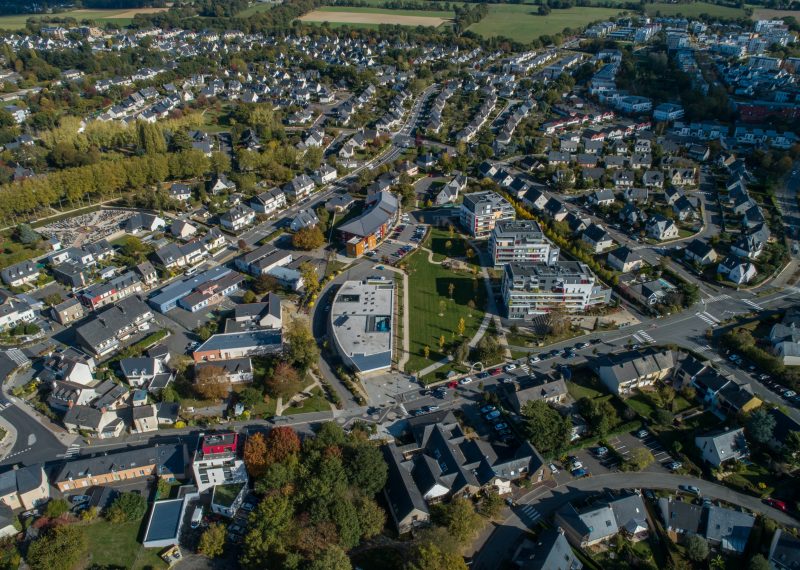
column 531, row 289
column 520, row 241
column 361, row 320
column 216, row 461
column 480, row 211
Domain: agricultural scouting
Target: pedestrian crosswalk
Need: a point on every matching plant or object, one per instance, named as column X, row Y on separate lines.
column 643, row 337
column 529, row 514
column 756, row 306
column 525, row 368
column 716, row 298
column 72, row 451
column 708, row 318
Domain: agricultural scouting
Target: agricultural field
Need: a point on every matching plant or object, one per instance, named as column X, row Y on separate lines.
column 522, row 23
column 694, row 9
column 121, row 17
column 375, row 16
column 767, row 14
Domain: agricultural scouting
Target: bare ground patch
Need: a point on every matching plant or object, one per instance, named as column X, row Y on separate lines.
column 366, row 18
column 767, row 14
column 124, row 13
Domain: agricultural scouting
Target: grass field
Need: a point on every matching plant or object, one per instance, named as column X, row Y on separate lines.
column 767, row 14
column 378, row 10
column 256, row 8
column 694, row 9
column 117, row 546
column 520, row 22
column 121, row 17
column 430, row 284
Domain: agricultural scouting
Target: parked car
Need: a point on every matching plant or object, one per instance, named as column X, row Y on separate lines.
column 487, row 408
column 577, row 464
column 429, row 409
column 642, row 433
column 510, row 367
column 581, row 345
column 500, row 426
column 465, row 381
column 492, row 415
column 674, row 466
column 533, row 359
column 580, row 473
column 776, row 504
column 495, row 371
column 601, row 451
column 79, row 499
column 554, row 469
column 690, row 489
column 789, row 394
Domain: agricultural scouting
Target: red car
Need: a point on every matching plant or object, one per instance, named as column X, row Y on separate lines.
column 453, row 384
column 776, row 504
column 496, row 371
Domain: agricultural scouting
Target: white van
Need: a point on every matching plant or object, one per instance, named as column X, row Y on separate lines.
column 197, row 516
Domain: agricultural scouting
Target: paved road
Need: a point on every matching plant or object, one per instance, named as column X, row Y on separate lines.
column 541, row 503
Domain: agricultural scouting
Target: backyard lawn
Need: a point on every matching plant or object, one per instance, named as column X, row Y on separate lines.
column 118, row 546
column 434, row 314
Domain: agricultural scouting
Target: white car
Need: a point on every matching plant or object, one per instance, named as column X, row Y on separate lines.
column 510, row 367
column 553, row 469
column 466, row 380
column 533, row 359
column 577, row 465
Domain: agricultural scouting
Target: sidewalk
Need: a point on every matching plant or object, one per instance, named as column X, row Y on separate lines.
column 7, row 443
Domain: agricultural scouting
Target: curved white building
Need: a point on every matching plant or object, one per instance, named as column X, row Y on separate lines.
column 361, row 321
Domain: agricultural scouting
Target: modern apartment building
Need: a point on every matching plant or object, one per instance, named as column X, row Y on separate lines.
column 216, row 462
column 480, row 211
column 531, row 289
column 520, row 241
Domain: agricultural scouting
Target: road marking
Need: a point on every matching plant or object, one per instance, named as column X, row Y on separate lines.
column 530, row 513
column 709, row 319
column 752, row 304
column 716, row 298
column 645, row 336
column 637, row 338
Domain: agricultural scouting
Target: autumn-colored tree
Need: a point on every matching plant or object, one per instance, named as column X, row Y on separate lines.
column 308, row 238
column 211, row 382
column 212, row 541
column 461, row 326
column 285, row 381
column 451, row 288
column 441, row 342
column 426, row 351
column 281, row 443
column 255, row 454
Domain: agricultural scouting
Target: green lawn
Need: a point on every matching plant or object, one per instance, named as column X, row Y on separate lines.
column 12, row 252
column 118, row 546
column 693, row 10
column 256, row 8
column 377, row 10
column 438, row 239
column 430, row 285
column 316, row 403
column 584, row 384
column 522, row 23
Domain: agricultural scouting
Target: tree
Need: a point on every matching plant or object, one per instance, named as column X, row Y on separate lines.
column 211, row 382
column 365, row 467
column 212, row 541
column 308, row 238
column 255, row 454
column 491, row 504
column 451, row 288
column 640, row 458
column 55, row 508
column 426, row 351
column 251, row 396
column 25, row 235
column 53, row 299
column 58, row 548
column 760, row 426
column 462, row 351
column 696, row 548
column 371, row 516
column 303, row 351
column 717, row 563
column 332, row 558
column 441, row 342
column 311, row 282
column 547, row 430
column 249, row 297
column 461, row 326
column 758, row 562
column 282, row 442
column 264, row 284
column 127, row 507
column 429, row 556
column 269, row 523
column 285, row 381
column 791, row 446
column 459, row 517
column 558, row 322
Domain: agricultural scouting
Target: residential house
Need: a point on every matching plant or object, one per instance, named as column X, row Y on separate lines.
column 299, row 187
column 221, row 183
column 700, row 252
column 587, row 527
column 625, row 260
column 225, row 346
column 98, row 296
column 624, row 372
column 305, row 218
column 235, row 370
column 736, row 270
column 721, row 446
column 20, row 274
column 105, row 332
column 597, row 238
column 784, row 551
column 364, row 232
column 785, row 338
column 24, row 487
column 182, row 229
column 237, row 218
column 269, row 201
column 542, row 388
column 480, row 211
column 550, row 551
column 660, row 228
column 603, row 197
column 67, row 311
column 216, row 461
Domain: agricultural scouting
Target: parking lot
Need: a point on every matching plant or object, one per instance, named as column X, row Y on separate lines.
column 404, row 238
